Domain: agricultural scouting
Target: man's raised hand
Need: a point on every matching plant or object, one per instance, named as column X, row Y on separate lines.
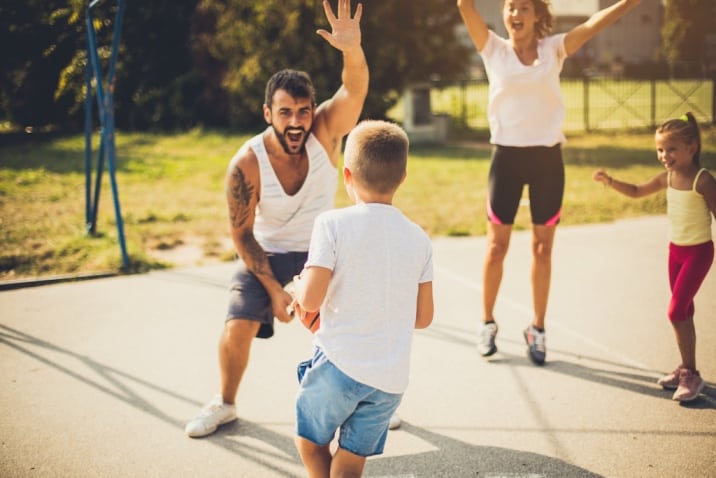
column 345, row 34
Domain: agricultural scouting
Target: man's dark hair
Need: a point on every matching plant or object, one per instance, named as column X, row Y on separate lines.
column 296, row 83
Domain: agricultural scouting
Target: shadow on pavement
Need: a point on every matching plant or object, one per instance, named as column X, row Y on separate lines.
column 629, row 378
column 252, row 446
column 16, row 340
column 276, row 451
column 455, row 458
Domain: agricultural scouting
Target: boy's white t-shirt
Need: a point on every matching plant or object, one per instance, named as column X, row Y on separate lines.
column 378, row 258
column 525, row 106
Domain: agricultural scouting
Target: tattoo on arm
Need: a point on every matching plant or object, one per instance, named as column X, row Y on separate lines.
column 241, row 192
column 240, row 197
column 255, row 256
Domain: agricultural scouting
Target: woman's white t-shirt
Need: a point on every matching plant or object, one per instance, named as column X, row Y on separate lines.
column 525, row 105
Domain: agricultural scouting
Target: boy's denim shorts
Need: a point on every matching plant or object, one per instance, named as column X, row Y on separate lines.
column 329, row 400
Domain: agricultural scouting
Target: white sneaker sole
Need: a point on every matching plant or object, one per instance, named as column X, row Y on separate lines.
column 203, row 433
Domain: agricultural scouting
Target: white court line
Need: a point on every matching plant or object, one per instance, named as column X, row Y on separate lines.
column 396, row 476
column 520, row 307
column 487, row 475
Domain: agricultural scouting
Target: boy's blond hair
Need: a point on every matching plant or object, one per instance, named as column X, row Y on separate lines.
column 377, row 155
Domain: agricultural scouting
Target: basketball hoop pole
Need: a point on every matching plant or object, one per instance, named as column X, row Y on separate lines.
column 105, row 107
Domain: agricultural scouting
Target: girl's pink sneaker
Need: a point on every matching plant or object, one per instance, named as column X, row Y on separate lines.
column 690, row 385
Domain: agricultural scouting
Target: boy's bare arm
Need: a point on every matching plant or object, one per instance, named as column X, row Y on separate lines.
column 311, row 287
column 426, row 307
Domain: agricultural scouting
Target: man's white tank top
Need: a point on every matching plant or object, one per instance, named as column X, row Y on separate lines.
column 284, row 223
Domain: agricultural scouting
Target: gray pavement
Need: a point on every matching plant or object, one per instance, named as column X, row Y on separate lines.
column 97, row 378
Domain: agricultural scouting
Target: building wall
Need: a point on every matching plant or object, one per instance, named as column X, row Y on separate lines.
column 634, row 39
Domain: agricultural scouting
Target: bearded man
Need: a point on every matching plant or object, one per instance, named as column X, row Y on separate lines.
column 276, row 185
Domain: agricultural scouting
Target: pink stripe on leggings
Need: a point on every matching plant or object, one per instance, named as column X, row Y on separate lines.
column 491, row 214
column 554, row 219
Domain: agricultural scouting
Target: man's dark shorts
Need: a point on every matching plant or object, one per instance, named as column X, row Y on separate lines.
column 249, row 300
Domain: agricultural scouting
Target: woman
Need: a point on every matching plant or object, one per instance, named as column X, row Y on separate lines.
column 525, row 112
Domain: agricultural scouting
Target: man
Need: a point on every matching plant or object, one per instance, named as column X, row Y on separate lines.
column 276, row 184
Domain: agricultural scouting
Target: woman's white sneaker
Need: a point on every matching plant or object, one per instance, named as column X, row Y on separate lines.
column 486, row 339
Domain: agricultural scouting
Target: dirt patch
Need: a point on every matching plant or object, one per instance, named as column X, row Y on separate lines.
column 191, row 251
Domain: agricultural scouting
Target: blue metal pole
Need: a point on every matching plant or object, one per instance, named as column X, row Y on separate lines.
column 109, row 110
column 93, row 62
column 88, row 142
column 105, row 104
column 97, row 183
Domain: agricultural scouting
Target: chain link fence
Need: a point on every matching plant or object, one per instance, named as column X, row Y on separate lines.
column 593, row 104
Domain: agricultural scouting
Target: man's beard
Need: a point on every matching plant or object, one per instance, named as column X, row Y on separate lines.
column 284, row 144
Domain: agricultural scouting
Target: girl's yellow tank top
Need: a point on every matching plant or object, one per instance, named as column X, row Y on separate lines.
column 689, row 215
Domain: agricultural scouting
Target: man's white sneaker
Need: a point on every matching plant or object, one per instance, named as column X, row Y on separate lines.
column 215, row 413
column 395, row 421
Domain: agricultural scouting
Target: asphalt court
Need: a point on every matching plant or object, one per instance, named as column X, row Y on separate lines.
column 99, row 377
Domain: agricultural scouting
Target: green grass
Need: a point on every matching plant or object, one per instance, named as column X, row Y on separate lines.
column 171, row 190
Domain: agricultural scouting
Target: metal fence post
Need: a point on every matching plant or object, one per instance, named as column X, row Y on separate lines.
column 463, row 94
column 713, row 100
column 653, row 103
column 585, row 107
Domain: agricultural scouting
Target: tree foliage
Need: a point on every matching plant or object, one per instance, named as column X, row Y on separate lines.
column 686, row 23
column 404, row 41
column 197, row 62
column 40, row 38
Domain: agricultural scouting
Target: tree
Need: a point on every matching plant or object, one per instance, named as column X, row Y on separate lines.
column 409, row 42
column 39, row 38
column 405, row 42
column 206, row 62
column 686, row 23
column 157, row 85
column 238, row 44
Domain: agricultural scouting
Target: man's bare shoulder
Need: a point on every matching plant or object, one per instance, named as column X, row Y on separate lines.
column 245, row 160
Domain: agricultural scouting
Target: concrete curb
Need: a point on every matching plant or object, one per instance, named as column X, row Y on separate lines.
column 40, row 281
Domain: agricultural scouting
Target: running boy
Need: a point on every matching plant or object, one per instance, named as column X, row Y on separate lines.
column 691, row 201
column 369, row 270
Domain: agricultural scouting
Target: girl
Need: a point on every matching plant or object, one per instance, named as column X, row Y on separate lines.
column 691, row 201
column 525, row 112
